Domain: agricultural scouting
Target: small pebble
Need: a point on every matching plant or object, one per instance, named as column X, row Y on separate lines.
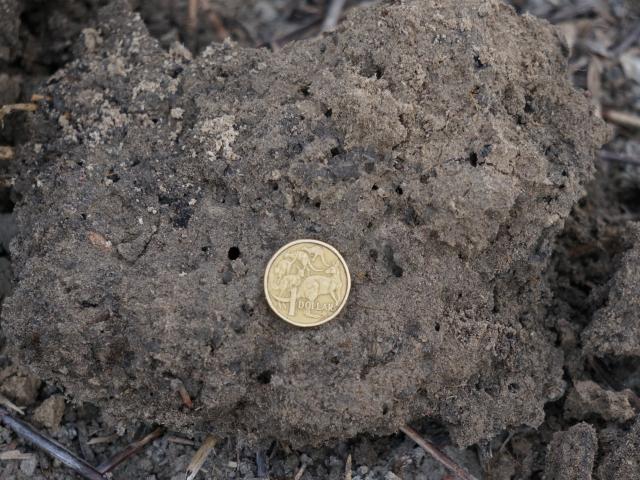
column 28, row 466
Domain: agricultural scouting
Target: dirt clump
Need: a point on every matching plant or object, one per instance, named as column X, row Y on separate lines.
column 49, row 413
column 623, row 459
column 615, row 329
column 571, row 453
column 429, row 143
column 19, row 386
column 587, row 398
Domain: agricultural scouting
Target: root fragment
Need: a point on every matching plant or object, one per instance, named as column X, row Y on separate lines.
column 432, row 450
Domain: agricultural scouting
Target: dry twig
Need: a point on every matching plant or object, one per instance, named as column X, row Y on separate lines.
column 54, row 449
column 261, row 463
column 181, row 441
column 15, row 455
column 130, row 451
column 10, row 405
column 200, row 457
column 594, row 83
column 300, row 472
column 347, row 468
column 432, row 450
column 38, row 97
column 214, row 20
column 83, row 440
column 179, row 387
column 618, row 157
column 64, row 456
column 192, row 16
column 572, row 11
column 333, row 15
column 99, row 440
column 16, row 107
column 627, row 42
column 624, row 119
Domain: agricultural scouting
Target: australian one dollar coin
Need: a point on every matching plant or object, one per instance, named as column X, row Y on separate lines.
column 307, row 283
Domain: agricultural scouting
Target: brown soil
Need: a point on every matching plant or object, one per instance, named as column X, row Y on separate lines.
column 148, row 165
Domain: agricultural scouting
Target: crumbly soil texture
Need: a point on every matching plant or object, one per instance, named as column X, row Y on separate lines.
column 439, row 146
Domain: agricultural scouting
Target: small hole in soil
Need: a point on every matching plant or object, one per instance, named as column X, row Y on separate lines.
column 238, row 328
column 335, row 151
column 396, row 270
column 528, row 106
column 335, row 360
column 164, row 200
column 305, row 90
column 234, row 253
column 437, row 327
column 114, row 177
column 473, row 159
column 206, row 249
column 248, row 309
column 478, row 63
column 175, row 71
column 374, row 187
column 399, row 190
column 317, row 204
column 385, row 409
column 630, row 198
column 379, row 72
column 264, row 377
column 6, row 203
column 275, row 187
column 513, row 387
column 328, row 113
column 183, row 215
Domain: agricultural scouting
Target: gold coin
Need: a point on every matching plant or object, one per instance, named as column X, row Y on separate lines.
column 307, row 283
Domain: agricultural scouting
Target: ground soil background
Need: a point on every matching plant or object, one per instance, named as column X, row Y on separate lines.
column 593, row 428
